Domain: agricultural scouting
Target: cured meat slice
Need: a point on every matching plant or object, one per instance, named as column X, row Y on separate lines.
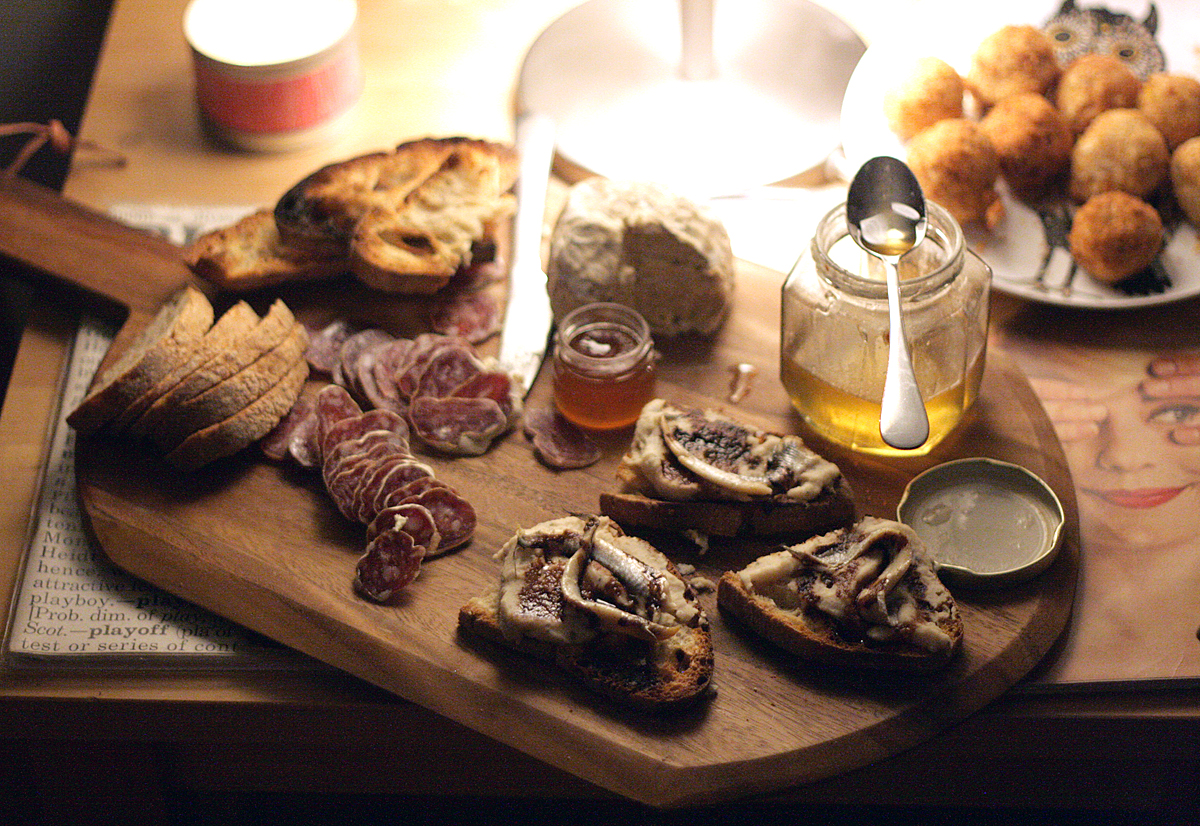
column 454, row 516
column 425, row 347
column 463, row 427
column 392, row 560
column 334, row 404
column 304, row 448
column 346, row 372
column 360, row 424
column 343, row 478
column 557, row 442
column 447, row 369
column 413, row 519
column 276, row 443
column 325, row 345
column 474, row 316
column 358, row 445
column 495, row 385
column 390, row 360
column 389, row 472
column 394, row 487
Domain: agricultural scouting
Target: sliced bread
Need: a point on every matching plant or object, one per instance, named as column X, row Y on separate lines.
column 167, row 341
column 266, row 335
column 228, row 397
column 244, row 428
column 232, row 324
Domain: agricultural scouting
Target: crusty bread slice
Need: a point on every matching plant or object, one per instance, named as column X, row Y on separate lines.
column 226, row 398
column 271, row 330
column 245, row 427
column 250, row 254
column 616, row 666
column 777, row 515
column 233, row 323
column 168, row 340
column 319, row 213
column 811, row 633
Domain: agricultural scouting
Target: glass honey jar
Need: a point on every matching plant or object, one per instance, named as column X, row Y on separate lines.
column 834, row 331
column 604, row 366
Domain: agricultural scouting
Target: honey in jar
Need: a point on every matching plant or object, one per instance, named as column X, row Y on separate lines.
column 604, row 366
column 835, row 327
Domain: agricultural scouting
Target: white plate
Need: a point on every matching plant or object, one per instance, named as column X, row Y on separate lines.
column 952, row 30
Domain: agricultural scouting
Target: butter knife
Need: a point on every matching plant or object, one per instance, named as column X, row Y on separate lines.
column 527, row 318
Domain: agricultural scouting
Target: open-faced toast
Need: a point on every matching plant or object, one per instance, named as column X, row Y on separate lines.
column 702, row 471
column 607, row 608
column 866, row 596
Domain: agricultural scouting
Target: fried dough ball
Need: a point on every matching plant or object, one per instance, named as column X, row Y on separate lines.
column 1093, row 84
column 1121, row 149
column 957, row 167
column 1172, row 103
column 1012, row 60
column 1185, row 178
column 1031, row 139
column 932, row 92
column 1115, row 235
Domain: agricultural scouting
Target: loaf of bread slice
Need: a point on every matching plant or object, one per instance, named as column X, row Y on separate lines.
column 669, row 663
column 245, row 427
column 226, row 398
column 864, row 596
column 405, row 220
column 251, row 254
column 701, row 470
column 166, row 343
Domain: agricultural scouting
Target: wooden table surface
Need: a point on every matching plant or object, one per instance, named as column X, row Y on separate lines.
column 161, row 733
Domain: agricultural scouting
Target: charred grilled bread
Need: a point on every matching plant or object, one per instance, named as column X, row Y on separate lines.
column 701, row 470
column 865, row 596
column 607, row 608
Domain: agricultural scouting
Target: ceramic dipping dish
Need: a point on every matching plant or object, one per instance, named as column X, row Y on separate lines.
column 987, row 523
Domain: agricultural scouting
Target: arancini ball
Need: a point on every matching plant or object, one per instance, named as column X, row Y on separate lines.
column 1093, row 84
column 957, row 167
column 933, row 91
column 1122, row 150
column 1185, row 178
column 1172, row 103
column 1031, row 140
column 1012, row 60
column 1115, row 235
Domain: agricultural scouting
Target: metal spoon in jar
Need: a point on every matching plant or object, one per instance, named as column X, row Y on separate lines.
column 885, row 211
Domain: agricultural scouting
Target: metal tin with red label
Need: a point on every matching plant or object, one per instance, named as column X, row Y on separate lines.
column 273, row 75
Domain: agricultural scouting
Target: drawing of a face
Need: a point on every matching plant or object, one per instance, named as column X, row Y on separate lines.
column 1078, row 31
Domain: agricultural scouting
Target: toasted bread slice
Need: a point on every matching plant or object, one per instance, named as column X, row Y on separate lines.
column 167, row 342
column 245, row 427
column 271, row 330
column 865, row 596
column 250, row 254
column 658, row 656
column 232, row 324
column 777, row 515
column 319, row 213
column 228, row 397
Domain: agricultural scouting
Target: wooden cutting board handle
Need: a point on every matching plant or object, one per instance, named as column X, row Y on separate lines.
column 88, row 249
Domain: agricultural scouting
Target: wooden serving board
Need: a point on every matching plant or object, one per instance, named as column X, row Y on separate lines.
column 261, row 544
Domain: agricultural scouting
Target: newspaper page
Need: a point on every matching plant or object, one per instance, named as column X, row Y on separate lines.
column 74, row 606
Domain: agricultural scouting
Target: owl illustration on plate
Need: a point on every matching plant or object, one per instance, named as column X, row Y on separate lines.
column 1077, row 31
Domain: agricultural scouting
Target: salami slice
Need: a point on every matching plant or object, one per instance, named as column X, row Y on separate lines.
column 334, row 404
column 392, row 560
column 453, row 515
column 390, row 360
column 325, row 345
column 497, row 386
column 393, row 488
column 304, row 448
column 558, row 443
column 346, row 372
column 276, row 443
column 413, row 519
column 358, row 425
column 425, row 347
column 390, row 471
column 342, row 480
column 449, row 368
column 474, row 316
column 463, row 427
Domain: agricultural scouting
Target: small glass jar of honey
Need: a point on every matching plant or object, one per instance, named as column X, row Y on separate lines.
column 604, row 366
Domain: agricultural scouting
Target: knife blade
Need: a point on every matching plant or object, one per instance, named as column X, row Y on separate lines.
column 525, row 335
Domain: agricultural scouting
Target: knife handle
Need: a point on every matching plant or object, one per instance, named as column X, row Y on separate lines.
column 535, row 148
